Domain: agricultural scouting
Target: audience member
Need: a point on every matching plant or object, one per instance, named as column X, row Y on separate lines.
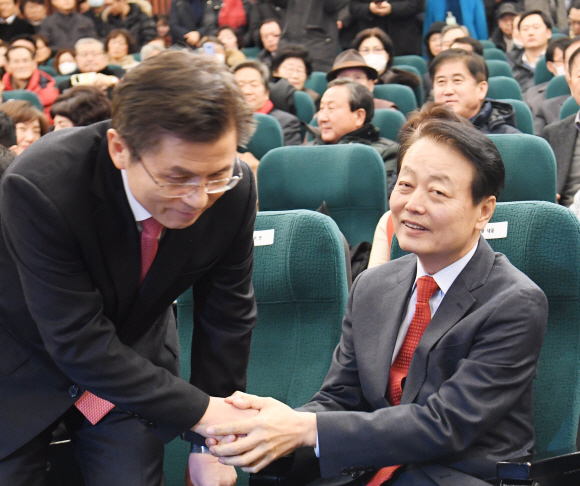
column 95, row 13
column 469, row 13
column 11, row 24
column 24, row 40
column 34, row 12
column 574, row 18
column 536, row 31
column 234, row 14
column 263, row 10
column 150, row 50
column 43, row 52
column 563, row 138
column 163, row 30
column 64, row 62
column 7, row 130
column 516, row 36
column 432, row 40
column 212, row 46
column 186, row 21
column 350, row 64
column 120, row 46
column 502, row 34
column 252, row 77
column 23, row 73
column 377, row 50
column 425, row 358
column 450, row 33
column 270, row 35
column 468, row 44
column 555, row 10
column 65, row 27
column 30, row 123
column 229, row 39
column 460, row 81
column 80, row 106
column 91, row 62
column 122, row 14
column 345, row 116
column 293, row 63
column 398, row 18
column 312, row 23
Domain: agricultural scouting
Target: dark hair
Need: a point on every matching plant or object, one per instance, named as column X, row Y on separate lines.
column 547, row 21
column 438, row 123
column 562, row 43
column 128, row 38
column 58, row 55
column 474, row 63
column 13, row 48
column 211, row 38
column 359, row 96
column 477, row 46
column 190, row 96
column 161, row 18
column 24, row 2
column 239, row 38
column 379, row 34
column 289, row 51
column 83, row 105
column 7, row 130
column 26, row 37
column 22, row 111
column 6, row 158
column 571, row 60
column 269, row 21
column 258, row 66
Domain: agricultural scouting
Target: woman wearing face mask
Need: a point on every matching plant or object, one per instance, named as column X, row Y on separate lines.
column 64, row 62
column 376, row 48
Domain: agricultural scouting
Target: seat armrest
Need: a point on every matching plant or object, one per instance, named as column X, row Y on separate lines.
column 296, row 469
column 553, row 468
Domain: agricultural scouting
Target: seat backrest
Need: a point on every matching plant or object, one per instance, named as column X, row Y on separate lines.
column 411, row 60
column 419, row 89
column 399, row 94
column 524, row 117
column 251, row 52
column 487, row 44
column 530, row 168
column 498, row 68
column 502, row 87
column 268, row 135
column 541, row 73
column 305, row 108
column 317, row 82
column 349, row 178
column 557, row 86
column 570, row 107
column 494, row 53
column 48, row 70
column 22, row 94
column 389, row 122
column 543, row 241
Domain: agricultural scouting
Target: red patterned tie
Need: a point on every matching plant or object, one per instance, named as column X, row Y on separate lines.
column 426, row 287
column 91, row 406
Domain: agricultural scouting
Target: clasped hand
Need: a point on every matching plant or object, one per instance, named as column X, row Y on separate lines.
column 254, row 443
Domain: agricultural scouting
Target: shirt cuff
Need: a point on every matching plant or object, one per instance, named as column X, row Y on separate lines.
column 317, row 448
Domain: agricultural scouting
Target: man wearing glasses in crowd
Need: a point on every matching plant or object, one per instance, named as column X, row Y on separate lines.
column 103, row 227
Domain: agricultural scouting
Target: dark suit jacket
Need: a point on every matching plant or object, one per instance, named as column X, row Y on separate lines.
column 18, row 27
column 548, row 113
column 290, row 126
column 467, row 400
column 72, row 314
column 562, row 138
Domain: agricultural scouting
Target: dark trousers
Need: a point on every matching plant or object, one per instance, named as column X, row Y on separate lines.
column 117, row 451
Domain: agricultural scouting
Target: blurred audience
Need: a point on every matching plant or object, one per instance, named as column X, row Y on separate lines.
column 270, row 35
column 163, row 30
column 120, row 46
column 7, row 131
column 11, row 24
column 34, row 12
column 432, row 40
column 574, row 18
column 468, row 44
column 293, row 63
column 43, row 52
column 229, row 39
column 502, row 35
column 80, row 106
column 64, row 62
column 450, row 33
column 30, row 123
column 151, row 49
column 122, row 14
column 234, row 14
column 65, row 27
column 186, row 21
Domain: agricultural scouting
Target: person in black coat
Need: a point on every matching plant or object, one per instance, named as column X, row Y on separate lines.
column 11, row 24
column 186, row 21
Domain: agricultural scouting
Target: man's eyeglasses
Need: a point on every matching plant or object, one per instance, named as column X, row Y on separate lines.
column 185, row 189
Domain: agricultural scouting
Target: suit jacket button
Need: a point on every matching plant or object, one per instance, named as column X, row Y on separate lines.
column 344, row 471
column 73, row 391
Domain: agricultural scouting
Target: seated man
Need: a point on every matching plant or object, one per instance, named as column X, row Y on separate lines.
column 450, row 33
column 563, row 138
column 351, row 64
column 22, row 73
column 92, row 67
column 345, row 116
column 65, row 27
column 460, row 81
column 502, row 35
column 252, row 78
column 270, row 35
column 433, row 375
column 535, row 28
column 11, row 24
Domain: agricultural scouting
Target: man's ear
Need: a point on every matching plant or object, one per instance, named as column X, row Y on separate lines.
column 118, row 149
column 361, row 114
column 487, row 207
column 482, row 88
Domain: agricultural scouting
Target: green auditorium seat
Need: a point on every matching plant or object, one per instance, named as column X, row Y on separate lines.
column 317, row 82
column 268, row 135
column 349, row 178
column 305, row 108
column 502, row 87
column 301, row 291
column 541, row 73
column 524, row 117
column 48, row 70
column 530, row 168
column 22, row 94
column 570, row 107
column 499, row 68
column 251, row 52
column 543, row 241
column 488, row 44
column 494, row 53
column 411, row 60
column 557, row 86
column 419, row 89
column 402, row 96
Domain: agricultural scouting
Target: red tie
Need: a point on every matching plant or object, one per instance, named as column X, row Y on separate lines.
column 91, row 406
column 426, row 287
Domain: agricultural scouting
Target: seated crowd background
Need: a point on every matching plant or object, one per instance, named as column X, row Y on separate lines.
column 61, row 62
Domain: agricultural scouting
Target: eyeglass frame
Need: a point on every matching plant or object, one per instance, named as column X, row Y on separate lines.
column 233, row 181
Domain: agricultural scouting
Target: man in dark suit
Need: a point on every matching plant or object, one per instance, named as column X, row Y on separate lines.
column 103, row 227
column 435, row 367
column 563, row 138
column 11, row 25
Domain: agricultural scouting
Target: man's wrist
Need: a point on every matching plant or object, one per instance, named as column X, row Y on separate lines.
column 310, row 435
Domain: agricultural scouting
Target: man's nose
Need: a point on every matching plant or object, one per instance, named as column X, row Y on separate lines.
column 198, row 199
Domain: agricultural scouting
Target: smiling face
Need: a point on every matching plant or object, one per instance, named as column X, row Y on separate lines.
column 432, row 205
column 118, row 47
column 270, row 35
column 27, row 132
column 293, row 70
column 175, row 161
column 335, row 117
column 454, row 85
column 228, row 39
column 20, row 64
column 250, row 82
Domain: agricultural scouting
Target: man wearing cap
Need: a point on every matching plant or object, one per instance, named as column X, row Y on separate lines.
column 502, row 34
column 350, row 64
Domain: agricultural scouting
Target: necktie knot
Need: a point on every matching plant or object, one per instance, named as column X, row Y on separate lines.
column 426, row 287
column 151, row 228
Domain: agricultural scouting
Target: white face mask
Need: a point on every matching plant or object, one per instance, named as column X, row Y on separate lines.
column 376, row 61
column 560, row 71
column 67, row 67
column 221, row 58
column 96, row 3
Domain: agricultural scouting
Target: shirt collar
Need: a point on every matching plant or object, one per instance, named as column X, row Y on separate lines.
column 9, row 20
column 446, row 276
column 139, row 212
column 527, row 62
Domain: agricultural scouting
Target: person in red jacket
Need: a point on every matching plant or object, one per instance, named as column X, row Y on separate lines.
column 22, row 73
